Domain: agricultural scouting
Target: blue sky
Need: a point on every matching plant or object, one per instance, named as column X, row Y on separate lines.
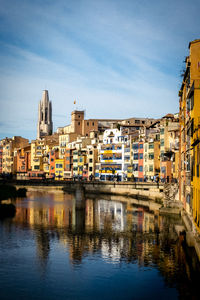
column 118, row 59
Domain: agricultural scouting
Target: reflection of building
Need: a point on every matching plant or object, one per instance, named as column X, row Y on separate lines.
column 111, row 214
column 89, row 213
column 111, row 252
column 140, row 219
column 40, row 213
column 49, row 216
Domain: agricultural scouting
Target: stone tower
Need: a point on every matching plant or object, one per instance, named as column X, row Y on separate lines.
column 45, row 125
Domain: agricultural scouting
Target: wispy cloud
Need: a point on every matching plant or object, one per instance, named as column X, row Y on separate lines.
column 117, row 58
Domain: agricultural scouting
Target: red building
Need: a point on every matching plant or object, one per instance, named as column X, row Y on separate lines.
column 140, row 161
column 68, row 163
column 53, row 155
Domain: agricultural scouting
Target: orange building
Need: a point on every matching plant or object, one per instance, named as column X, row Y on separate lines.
column 23, row 160
column 68, row 163
column 53, row 155
column 189, row 178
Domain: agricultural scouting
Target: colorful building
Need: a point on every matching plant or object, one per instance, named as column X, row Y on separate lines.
column 59, row 169
column 23, row 161
column 9, row 160
column 53, row 155
column 111, row 154
column 189, row 180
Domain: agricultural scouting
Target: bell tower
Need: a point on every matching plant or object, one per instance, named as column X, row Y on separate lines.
column 45, row 125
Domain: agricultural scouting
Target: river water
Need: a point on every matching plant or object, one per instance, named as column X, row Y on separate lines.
column 61, row 246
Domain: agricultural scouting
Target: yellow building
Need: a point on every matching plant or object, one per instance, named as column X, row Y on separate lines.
column 92, row 159
column 40, row 150
column 194, row 96
column 64, row 140
column 82, row 163
column 59, row 169
column 189, row 187
column 9, row 146
column 37, row 149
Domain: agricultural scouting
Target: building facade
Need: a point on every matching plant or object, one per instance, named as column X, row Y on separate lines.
column 189, row 179
column 45, row 124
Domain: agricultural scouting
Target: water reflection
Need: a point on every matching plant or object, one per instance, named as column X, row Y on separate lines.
column 117, row 231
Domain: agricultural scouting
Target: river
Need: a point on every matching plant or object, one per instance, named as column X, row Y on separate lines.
column 62, row 246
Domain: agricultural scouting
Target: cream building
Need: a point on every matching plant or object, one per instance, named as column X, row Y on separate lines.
column 45, row 124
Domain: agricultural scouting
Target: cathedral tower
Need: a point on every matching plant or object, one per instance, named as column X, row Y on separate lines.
column 45, row 125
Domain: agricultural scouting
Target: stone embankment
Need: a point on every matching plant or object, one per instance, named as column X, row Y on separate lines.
column 171, row 203
column 192, row 235
column 137, row 190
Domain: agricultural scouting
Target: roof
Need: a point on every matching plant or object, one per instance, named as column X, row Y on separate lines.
column 168, row 116
column 193, row 42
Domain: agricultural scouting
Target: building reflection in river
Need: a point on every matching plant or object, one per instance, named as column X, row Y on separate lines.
column 118, row 231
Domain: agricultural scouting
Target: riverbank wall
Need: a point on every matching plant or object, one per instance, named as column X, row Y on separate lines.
column 138, row 190
column 191, row 234
column 135, row 190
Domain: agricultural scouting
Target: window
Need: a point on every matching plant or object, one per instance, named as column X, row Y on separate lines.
column 141, row 155
column 162, row 131
column 135, row 146
column 135, row 167
column 151, row 168
column 163, row 170
column 90, row 160
column 141, row 168
column 151, row 156
column 162, row 142
column 135, row 156
column 90, row 169
column 151, row 145
column 36, row 167
column 92, row 123
column 87, row 123
column 192, row 102
column 90, row 152
column 79, row 123
column 141, row 146
column 59, row 166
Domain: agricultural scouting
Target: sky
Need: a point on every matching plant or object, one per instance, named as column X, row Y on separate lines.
column 117, row 58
